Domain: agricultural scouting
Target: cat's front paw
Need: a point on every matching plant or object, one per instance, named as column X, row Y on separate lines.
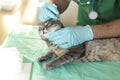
column 48, row 66
column 42, row 58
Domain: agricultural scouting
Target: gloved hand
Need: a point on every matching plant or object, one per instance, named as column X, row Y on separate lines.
column 71, row 36
column 47, row 12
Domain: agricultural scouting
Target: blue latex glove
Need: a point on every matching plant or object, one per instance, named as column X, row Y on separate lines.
column 47, row 12
column 71, row 36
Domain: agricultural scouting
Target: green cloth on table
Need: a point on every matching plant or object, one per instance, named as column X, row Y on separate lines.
column 78, row 71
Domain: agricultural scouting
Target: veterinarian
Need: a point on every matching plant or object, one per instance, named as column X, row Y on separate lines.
column 96, row 19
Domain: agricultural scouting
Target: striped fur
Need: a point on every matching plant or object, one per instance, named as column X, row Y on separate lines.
column 96, row 50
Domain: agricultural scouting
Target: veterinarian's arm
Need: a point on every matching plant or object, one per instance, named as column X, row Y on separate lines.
column 111, row 29
column 61, row 4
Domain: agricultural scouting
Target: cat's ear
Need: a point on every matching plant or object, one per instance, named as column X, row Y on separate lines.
column 41, row 25
column 39, row 28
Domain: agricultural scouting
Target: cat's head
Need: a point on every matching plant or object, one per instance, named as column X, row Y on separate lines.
column 48, row 27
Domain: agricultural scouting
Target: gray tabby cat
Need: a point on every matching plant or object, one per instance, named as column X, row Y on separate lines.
column 96, row 50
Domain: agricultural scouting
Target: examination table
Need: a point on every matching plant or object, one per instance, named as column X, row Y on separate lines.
column 29, row 44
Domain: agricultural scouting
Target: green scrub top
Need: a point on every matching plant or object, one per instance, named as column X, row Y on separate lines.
column 107, row 10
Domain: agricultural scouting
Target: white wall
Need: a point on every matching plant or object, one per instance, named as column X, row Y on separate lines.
column 69, row 17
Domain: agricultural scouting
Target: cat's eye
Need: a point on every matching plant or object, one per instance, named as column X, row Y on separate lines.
column 46, row 31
